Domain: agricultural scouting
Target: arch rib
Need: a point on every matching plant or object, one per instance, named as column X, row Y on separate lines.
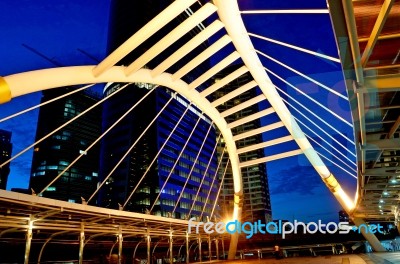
column 33, row 81
column 229, row 14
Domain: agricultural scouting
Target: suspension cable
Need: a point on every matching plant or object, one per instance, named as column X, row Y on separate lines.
column 320, row 145
column 309, row 97
column 303, row 75
column 212, row 184
column 45, row 103
column 337, row 165
column 194, row 164
column 175, row 163
column 295, row 47
column 219, row 189
column 129, row 150
column 316, row 116
column 324, row 140
column 158, row 153
column 97, row 140
column 61, row 127
column 326, row 133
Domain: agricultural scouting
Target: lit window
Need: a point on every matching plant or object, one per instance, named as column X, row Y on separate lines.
column 88, row 178
column 51, row 189
column 71, row 200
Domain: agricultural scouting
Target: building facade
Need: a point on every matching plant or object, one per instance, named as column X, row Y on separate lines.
column 162, row 174
column 56, row 153
column 5, row 154
column 257, row 202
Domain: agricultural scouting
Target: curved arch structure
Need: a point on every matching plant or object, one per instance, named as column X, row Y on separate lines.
column 22, row 83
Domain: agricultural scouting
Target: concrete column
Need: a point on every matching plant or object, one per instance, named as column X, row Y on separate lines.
column 371, row 238
column 28, row 241
column 81, row 242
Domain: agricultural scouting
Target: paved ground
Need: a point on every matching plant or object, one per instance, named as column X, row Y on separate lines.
column 382, row 258
column 372, row 258
column 337, row 259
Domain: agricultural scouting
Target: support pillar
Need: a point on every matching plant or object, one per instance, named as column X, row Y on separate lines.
column 171, row 253
column 148, row 248
column 209, row 248
column 237, row 215
column 199, row 243
column 187, row 248
column 28, row 241
column 223, row 247
column 81, row 242
column 233, row 246
column 216, row 248
column 120, row 239
column 371, row 238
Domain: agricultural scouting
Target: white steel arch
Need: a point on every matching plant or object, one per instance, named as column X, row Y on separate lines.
column 33, row 81
column 18, row 84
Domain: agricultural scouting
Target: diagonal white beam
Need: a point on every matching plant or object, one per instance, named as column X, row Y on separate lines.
column 259, row 130
column 204, row 12
column 224, row 81
column 270, row 158
column 252, row 117
column 144, row 33
column 214, row 70
column 236, row 92
column 243, row 105
column 211, row 50
column 265, row 144
column 376, row 30
column 213, row 28
column 229, row 14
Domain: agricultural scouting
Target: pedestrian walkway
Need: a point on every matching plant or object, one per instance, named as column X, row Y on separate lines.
column 335, row 259
column 382, row 258
column 368, row 258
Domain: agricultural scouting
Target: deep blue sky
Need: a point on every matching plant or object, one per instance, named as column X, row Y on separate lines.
column 59, row 29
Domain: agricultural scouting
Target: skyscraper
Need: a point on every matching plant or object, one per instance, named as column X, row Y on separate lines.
column 255, row 181
column 57, row 152
column 5, row 154
column 179, row 169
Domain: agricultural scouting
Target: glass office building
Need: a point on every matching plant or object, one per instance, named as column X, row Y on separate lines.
column 257, row 204
column 5, row 154
column 54, row 154
column 162, row 174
